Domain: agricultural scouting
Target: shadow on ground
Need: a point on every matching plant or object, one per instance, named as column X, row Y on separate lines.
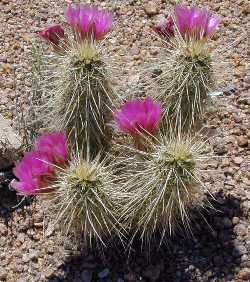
column 9, row 200
column 208, row 255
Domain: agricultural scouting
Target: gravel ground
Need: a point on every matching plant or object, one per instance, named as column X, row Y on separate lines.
column 218, row 251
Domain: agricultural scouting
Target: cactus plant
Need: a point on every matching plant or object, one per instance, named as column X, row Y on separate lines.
column 84, row 201
column 187, row 72
column 161, row 184
column 79, row 194
column 78, row 94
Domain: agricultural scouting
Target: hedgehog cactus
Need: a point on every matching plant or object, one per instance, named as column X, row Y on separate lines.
column 83, row 201
column 161, row 185
column 187, row 74
column 143, row 188
column 79, row 194
column 80, row 95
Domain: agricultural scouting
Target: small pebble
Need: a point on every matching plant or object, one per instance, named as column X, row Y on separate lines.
column 104, row 273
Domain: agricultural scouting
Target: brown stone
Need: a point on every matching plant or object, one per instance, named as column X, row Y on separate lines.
column 246, row 9
column 151, row 9
column 242, row 141
column 240, row 229
column 238, row 160
column 244, row 274
column 235, row 220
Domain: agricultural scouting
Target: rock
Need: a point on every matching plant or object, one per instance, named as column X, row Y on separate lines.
column 135, row 51
column 151, row 9
column 212, row 164
column 86, row 276
column 238, row 160
column 104, row 273
column 152, row 273
column 5, row 1
column 245, row 100
column 229, row 171
column 3, row 274
column 220, row 149
column 244, row 274
column 25, row 258
column 238, row 119
column 225, row 163
column 3, row 229
column 242, row 141
column 33, row 255
column 21, row 280
column 240, row 249
column 49, row 272
column 248, row 245
column 240, row 229
column 10, row 143
column 246, row 205
column 246, row 9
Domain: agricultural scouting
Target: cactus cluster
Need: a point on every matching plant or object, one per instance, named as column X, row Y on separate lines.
column 96, row 184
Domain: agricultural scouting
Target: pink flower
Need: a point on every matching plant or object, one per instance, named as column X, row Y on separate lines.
column 89, row 21
column 103, row 22
column 137, row 116
column 26, row 188
column 32, row 173
column 54, row 145
column 86, row 20
column 195, row 23
column 166, row 28
column 53, row 34
column 72, row 15
column 37, row 169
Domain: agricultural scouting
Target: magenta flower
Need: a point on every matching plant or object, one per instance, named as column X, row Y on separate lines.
column 103, row 22
column 86, row 20
column 137, row 116
column 166, row 28
column 53, row 34
column 28, row 187
column 195, row 23
column 55, row 146
column 72, row 15
column 33, row 172
column 37, row 169
column 89, row 21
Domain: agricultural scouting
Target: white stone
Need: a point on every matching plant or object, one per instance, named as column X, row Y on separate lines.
column 10, row 143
